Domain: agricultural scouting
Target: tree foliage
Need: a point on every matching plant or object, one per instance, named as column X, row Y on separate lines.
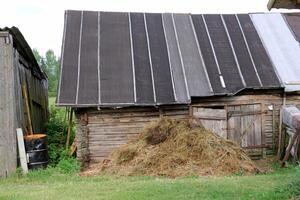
column 50, row 64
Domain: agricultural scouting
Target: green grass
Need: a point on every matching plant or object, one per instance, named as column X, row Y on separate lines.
column 49, row 184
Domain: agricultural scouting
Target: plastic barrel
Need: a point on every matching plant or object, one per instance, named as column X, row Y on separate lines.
column 36, row 149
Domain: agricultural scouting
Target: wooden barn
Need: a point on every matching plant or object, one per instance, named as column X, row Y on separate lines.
column 19, row 71
column 121, row 71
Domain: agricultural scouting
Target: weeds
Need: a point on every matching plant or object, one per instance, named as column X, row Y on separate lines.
column 292, row 189
column 56, row 133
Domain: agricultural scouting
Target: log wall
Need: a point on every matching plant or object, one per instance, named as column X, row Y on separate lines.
column 99, row 132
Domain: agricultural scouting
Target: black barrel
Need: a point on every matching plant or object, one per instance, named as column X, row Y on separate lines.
column 36, row 149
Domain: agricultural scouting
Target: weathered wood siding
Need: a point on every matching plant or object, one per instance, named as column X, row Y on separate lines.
column 254, row 116
column 14, row 71
column 8, row 154
column 269, row 115
column 99, row 132
column 37, row 90
column 293, row 99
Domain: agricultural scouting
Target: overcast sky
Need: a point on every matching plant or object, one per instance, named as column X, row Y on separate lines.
column 41, row 21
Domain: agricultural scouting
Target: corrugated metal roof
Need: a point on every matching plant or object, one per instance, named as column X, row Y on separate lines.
column 282, row 47
column 116, row 59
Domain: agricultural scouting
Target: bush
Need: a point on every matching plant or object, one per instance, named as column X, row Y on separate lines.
column 56, row 129
column 68, row 165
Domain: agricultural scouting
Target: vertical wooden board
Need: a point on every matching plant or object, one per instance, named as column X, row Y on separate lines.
column 7, row 106
column 22, row 152
column 257, row 126
column 230, row 124
column 238, row 125
column 252, row 121
column 213, row 120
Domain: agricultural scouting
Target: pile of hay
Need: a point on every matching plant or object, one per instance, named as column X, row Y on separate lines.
column 170, row 147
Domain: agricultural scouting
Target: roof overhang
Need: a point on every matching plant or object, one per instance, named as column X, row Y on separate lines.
column 287, row 4
column 23, row 47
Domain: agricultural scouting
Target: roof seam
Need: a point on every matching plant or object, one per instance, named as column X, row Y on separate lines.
column 150, row 60
column 62, row 56
column 233, row 51
column 98, row 60
column 79, row 51
column 170, row 64
column 248, row 49
column 181, row 59
column 132, row 58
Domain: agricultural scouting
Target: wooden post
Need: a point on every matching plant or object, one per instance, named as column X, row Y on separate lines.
column 25, row 95
column 73, row 147
column 22, row 152
column 274, row 128
column 191, row 111
column 279, row 136
column 69, row 130
column 288, row 149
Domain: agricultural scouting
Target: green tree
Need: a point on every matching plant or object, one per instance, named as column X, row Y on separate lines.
column 50, row 64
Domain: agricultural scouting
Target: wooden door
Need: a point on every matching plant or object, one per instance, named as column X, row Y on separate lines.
column 244, row 125
column 212, row 119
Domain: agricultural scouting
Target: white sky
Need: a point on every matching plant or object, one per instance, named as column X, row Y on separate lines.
column 41, row 21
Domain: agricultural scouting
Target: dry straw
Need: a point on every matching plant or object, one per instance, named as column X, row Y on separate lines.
column 173, row 147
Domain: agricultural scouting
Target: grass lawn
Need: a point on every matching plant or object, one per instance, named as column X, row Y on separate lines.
column 50, row 184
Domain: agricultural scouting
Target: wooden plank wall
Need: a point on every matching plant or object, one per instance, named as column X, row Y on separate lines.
column 13, row 71
column 293, row 99
column 8, row 154
column 37, row 93
column 212, row 119
column 270, row 106
column 99, row 132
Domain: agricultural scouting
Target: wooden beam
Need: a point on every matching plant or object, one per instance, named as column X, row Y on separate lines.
column 73, row 147
column 270, row 4
column 25, row 95
column 22, row 152
column 279, row 151
column 69, row 130
column 289, row 148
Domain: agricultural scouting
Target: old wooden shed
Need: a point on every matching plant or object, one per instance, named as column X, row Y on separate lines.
column 18, row 67
column 121, row 71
